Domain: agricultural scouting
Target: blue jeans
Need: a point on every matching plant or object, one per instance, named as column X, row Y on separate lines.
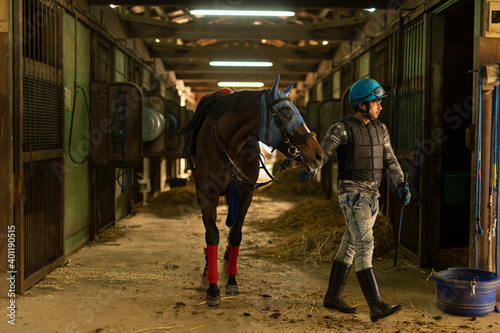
column 360, row 212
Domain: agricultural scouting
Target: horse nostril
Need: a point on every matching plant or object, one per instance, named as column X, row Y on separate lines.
column 319, row 156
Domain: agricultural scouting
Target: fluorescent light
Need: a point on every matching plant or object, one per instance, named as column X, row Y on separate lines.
column 113, row 6
column 371, row 10
column 240, row 84
column 325, row 42
column 241, row 63
column 157, row 40
column 229, row 12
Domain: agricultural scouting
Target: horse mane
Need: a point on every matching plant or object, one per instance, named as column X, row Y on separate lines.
column 214, row 105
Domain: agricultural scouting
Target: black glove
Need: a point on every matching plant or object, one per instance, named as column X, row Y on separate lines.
column 404, row 194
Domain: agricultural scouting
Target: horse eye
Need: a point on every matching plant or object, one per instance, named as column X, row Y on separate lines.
column 286, row 113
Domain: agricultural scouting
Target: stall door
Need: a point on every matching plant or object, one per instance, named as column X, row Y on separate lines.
column 39, row 139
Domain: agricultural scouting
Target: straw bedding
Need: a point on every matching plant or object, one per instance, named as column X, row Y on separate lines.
column 293, row 188
column 177, row 201
column 317, row 226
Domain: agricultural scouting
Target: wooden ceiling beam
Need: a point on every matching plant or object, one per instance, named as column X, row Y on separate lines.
column 205, row 68
column 323, row 52
column 145, row 27
column 251, row 4
column 237, row 76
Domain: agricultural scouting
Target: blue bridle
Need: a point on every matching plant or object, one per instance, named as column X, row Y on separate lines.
column 270, row 132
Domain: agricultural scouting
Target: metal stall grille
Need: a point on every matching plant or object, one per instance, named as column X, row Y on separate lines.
column 345, row 84
column 42, row 124
column 381, row 63
column 102, row 60
column 40, row 138
column 42, row 216
column 408, row 127
column 410, row 97
column 103, row 177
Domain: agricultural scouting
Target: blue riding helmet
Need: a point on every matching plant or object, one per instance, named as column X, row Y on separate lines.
column 365, row 90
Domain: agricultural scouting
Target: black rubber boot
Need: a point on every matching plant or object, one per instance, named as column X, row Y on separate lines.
column 369, row 286
column 333, row 297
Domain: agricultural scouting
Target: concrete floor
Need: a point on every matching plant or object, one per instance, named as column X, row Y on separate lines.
column 149, row 280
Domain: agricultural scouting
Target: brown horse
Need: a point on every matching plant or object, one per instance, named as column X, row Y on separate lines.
column 223, row 155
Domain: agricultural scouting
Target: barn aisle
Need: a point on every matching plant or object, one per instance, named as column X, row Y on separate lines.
column 144, row 275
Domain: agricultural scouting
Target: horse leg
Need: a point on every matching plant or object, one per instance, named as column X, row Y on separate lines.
column 209, row 212
column 235, row 236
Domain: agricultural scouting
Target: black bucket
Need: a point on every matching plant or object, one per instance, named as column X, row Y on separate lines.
column 466, row 291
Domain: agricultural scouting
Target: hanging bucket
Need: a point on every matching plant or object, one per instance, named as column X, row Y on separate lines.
column 465, row 291
column 144, row 185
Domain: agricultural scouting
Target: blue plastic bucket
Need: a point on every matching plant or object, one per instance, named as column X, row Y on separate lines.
column 466, row 291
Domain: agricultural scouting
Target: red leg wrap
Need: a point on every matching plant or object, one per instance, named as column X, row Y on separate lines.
column 233, row 260
column 213, row 274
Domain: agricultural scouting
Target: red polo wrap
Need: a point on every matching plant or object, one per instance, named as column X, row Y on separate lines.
column 213, row 274
column 233, row 260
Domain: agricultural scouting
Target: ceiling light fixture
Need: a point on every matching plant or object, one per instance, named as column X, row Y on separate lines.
column 224, row 12
column 240, row 84
column 241, row 63
column 371, row 10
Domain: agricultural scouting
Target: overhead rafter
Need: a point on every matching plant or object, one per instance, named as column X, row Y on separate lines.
column 262, row 52
column 230, row 76
column 145, row 27
column 184, row 66
column 296, row 45
column 251, row 4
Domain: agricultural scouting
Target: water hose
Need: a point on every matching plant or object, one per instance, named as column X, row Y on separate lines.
column 73, row 109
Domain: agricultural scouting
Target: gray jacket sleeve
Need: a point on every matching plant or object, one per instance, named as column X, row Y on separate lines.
column 335, row 136
column 391, row 163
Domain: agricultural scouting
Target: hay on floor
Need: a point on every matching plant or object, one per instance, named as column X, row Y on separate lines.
column 177, row 201
column 292, row 188
column 319, row 226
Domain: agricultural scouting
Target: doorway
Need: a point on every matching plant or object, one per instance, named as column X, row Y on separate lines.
column 457, row 115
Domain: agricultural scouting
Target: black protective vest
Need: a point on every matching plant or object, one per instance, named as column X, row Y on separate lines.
column 362, row 157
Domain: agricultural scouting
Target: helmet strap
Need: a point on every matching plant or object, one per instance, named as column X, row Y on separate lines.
column 366, row 112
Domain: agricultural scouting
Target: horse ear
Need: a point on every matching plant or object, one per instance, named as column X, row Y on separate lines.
column 288, row 90
column 274, row 90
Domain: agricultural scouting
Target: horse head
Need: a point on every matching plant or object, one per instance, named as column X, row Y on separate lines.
column 283, row 128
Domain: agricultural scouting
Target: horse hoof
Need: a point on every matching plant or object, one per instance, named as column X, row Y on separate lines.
column 232, row 290
column 213, row 300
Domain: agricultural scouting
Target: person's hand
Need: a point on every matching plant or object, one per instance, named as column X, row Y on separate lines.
column 404, row 194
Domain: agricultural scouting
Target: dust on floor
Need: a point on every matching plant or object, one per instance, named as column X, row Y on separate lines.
column 148, row 278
